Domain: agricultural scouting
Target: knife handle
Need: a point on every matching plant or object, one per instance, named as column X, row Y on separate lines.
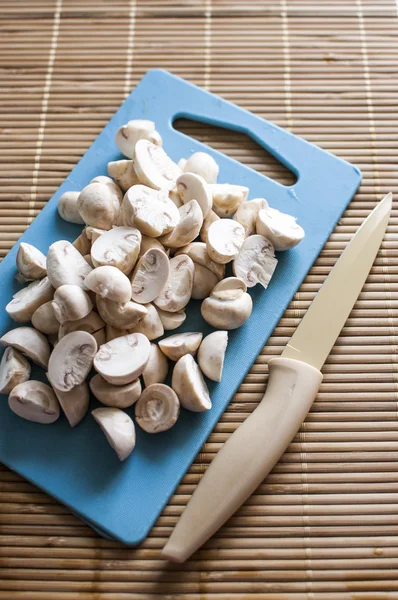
column 247, row 456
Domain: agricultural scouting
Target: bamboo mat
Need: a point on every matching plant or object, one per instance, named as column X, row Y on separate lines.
column 324, row 525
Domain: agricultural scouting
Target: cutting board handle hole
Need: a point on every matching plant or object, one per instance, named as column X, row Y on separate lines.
column 239, row 146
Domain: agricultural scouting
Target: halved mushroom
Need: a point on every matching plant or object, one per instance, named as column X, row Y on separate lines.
column 171, row 320
column 151, row 325
column 178, row 289
column 27, row 301
column 14, row 369
column 203, row 282
column 150, row 276
column 191, row 186
column 256, row 261
column 156, row 368
column 74, row 403
column 211, row 354
column 198, row 253
column 179, row 344
column 113, row 332
column 189, row 385
column 30, row 342
column 157, row 408
column 247, row 214
column 93, row 233
column 188, row 228
column 224, row 240
column 34, row 401
column 82, row 243
column 153, row 167
column 71, row 303
column 71, row 360
column 65, row 265
column 211, row 217
column 129, row 134
column 202, row 164
column 118, row 247
column 31, row 263
column 109, row 282
column 99, row 205
column 122, row 316
column 151, row 211
column 227, row 198
column 279, row 228
column 67, row 208
column 118, row 396
column 123, row 359
column 229, row 305
column 147, row 243
column 92, row 323
column 118, row 429
column 123, row 173
column 44, row 319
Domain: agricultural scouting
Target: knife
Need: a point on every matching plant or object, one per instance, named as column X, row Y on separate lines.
column 252, row 450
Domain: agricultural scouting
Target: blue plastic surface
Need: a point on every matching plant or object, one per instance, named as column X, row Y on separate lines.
column 76, row 466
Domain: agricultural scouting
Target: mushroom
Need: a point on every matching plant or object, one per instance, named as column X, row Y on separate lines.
column 14, row 369
column 71, row 360
column 279, row 228
column 178, row 289
column 113, row 332
column 109, row 282
column 118, row 429
column 71, row 303
column 27, row 300
column 151, row 325
column 99, row 205
column 211, row 217
column 179, row 344
column 74, row 403
column 147, row 243
column 211, row 354
column 44, row 319
column 227, row 198
column 122, row 316
column 123, row 359
column 188, row 228
column 123, row 173
column 189, row 385
column 30, row 342
column 92, row 323
column 198, row 253
column 65, row 265
column 82, row 243
column 151, row 211
column 156, row 368
column 171, row 320
column 247, row 214
column 34, row 401
column 129, row 134
column 193, row 187
column 153, row 167
column 175, row 197
column 181, row 163
column 118, row 396
column 31, row 263
column 224, row 240
column 202, row 164
column 157, row 408
column 229, row 305
column 67, row 208
column 118, row 247
column 203, row 282
column 104, row 179
column 255, row 262
column 93, row 233
column 150, row 276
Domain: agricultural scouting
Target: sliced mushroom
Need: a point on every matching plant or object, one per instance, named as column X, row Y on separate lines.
column 71, row 360
column 31, row 263
column 153, row 167
column 44, row 319
column 14, row 369
column 34, row 401
column 67, row 208
column 71, row 303
column 150, row 276
column 129, row 134
column 30, row 342
column 66, row 265
column 189, row 385
column 179, row 344
column 187, row 229
column 74, row 403
column 229, row 305
column 123, row 173
column 191, row 186
column 118, row 396
column 202, row 164
column 118, row 429
column 156, row 368
column 175, row 197
column 123, row 359
column 171, row 320
column 157, row 409
column 122, row 316
column 92, row 323
column 109, row 282
column 151, row 211
column 147, row 243
column 82, row 243
column 118, row 247
column 198, row 253
column 113, row 332
column 227, row 198
column 178, row 289
column 151, row 325
column 256, row 261
column 211, row 217
column 247, row 214
column 279, row 228
column 211, row 354
column 203, row 282
column 93, row 233
column 224, row 240
column 99, row 205
column 27, row 301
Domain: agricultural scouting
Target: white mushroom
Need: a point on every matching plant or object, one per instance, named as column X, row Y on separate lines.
column 189, row 385
column 193, row 187
column 151, row 211
column 157, row 409
column 14, row 369
column 175, row 197
column 156, row 368
column 153, row 167
column 129, row 134
column 256, row 261
column 71, row 303
column 67, row 208
column 93, row 233
column 150, row 276
column 34, row 401
column 104, row 179
column 151, row 325
column 71, row 360
column 65, row 265
column 147, row 243
column 118, row 247
column 44, row 319
column 227, row 198
column 211, row 354
column 31, row 263
column 82, row 243
column 179, row 344
column 123, row 173
column 99, row 205
column 229, row 305
column 247, row 214
column 118, row 396
column 188, row 228
column 121, row 316
column 118, row 429
column 123, row 359
column 279, row 228
column 109, row 282
column 211, row 217
column 224, row 240
column 203, row 282
column 92, row 323
column 171, row 320
column 198, row 253
column 113, row 332
column 178, row 289
column 202, row 164
column 30, row 342
column 28, row 299
column 74, row 403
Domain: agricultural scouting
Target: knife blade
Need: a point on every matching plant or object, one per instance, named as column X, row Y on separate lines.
column 252, row 450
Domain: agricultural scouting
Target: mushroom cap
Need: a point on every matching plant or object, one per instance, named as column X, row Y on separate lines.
column 153, row 167
column 189, row 385
column 65, row 265
column 247, row 214
column 98, row 204
column 188, row 228
column 92, row 323
column 203, row 282
column 227, row 198
column 150, row 276
column 67, row 208
column 71, row 360
column 123, row 173
column 151, row 325
column 256, row 261
column 118, row 429
column 14, row 369
column 207, row 221
column 74, row 403
column 34, row 401
column 123, row 359
column 28, row 299
column 118, row 247
column 279, row 228
column 156, row 368
column 128, row 135
column 71, row 303
column 198, row 252
column 202, row 164
column 121, row 316
column 191, row 186
column 211, row 354
column 30, row 342
column 157, row 408
column 147, row 243
column 44, row 319
column 151, row 211
column 179, row 344
column 109, row 282
column 117, row 396
column 227, row 314
column 171, row 320
column 31, row 262
column 224, row 240
column 178, row 289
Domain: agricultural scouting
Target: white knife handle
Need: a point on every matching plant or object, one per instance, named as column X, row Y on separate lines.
column 247, row 456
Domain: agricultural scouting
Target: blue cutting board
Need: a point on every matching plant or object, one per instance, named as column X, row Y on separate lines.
column 76, row 466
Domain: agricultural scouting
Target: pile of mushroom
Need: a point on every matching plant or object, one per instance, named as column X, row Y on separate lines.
column 156, row 235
